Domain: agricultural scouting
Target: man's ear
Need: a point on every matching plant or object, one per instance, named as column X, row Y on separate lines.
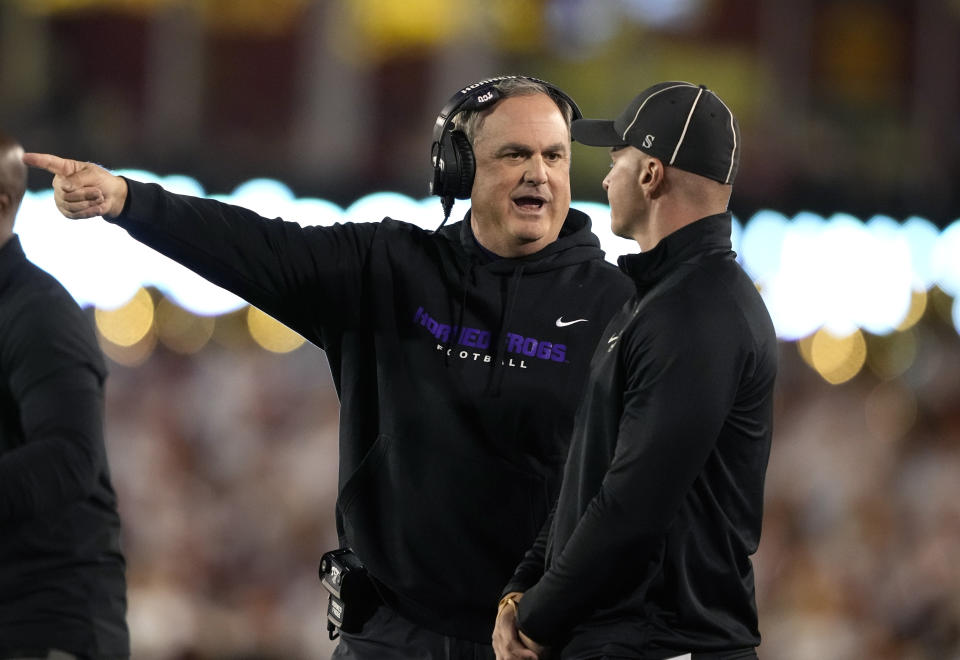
column 652, row 177
column 5, row 202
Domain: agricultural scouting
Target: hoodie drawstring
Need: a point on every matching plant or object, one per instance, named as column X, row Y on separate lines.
column 495, row 381
column 466, row 278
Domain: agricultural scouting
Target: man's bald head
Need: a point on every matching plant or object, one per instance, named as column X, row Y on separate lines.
column 13, row 183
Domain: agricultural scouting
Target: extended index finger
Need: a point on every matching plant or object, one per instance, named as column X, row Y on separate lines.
column 50, row 163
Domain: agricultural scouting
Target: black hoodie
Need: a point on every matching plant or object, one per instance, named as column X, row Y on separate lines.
column 458, row 376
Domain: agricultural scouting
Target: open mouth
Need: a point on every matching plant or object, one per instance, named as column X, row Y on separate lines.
column 529, row 203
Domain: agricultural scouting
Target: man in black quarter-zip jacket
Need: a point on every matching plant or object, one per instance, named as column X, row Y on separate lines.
column 647, row 554
column 63, row 590
column 459, row 356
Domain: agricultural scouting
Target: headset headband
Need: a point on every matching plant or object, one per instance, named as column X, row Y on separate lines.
column 484, row 93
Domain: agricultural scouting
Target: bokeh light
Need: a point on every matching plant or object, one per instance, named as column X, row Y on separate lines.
column 889, row 356
column 128, row 324
column 918, row 305
column 181, row 331
column 270, row 333
column 836, row 358
column 840, row 272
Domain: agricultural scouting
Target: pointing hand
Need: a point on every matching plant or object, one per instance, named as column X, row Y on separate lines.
column 80, row 189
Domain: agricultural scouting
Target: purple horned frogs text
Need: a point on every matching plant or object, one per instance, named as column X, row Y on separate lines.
column 477, row 338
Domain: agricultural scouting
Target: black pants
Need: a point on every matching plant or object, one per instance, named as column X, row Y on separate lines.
column 388, row 636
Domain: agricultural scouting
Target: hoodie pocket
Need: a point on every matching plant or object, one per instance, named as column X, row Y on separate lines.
column 439, row 525
column 368, row 467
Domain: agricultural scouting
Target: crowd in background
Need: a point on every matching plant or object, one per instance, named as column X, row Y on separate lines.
column 225, row 463
column 225, row 467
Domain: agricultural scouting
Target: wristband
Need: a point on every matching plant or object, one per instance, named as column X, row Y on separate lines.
column 508, row 600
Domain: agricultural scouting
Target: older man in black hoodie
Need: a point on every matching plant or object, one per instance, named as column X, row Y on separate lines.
column 458, row 355
column 647, row 555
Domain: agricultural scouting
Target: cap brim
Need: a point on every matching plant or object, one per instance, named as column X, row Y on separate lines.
column 596, row 133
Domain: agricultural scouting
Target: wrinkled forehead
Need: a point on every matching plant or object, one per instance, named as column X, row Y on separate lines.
column 530, row 117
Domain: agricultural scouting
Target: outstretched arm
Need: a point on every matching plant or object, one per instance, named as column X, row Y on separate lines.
column 306, row 277
column 82, row 190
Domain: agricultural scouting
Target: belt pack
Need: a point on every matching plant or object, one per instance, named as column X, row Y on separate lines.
column 353, row 598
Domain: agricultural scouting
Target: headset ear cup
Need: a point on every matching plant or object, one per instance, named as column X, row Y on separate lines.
column 461, row 179
column 454, row 167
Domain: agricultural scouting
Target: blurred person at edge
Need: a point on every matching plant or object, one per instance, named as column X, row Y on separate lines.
column 458, row 355
column 62, row 581
column 647, row 553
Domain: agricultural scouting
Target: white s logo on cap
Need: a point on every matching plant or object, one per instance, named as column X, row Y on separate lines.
column 647, row 141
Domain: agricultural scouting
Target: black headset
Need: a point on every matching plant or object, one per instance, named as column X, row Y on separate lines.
column 453, row 160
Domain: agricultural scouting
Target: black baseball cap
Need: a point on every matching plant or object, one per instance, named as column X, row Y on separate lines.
column 684, row 125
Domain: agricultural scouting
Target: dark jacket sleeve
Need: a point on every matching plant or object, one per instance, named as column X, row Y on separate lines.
column 681, row 382
column 59, row 396
column 287, row 270
column 530, row 569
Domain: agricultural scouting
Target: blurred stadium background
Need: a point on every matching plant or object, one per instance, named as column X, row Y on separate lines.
column 222, row 424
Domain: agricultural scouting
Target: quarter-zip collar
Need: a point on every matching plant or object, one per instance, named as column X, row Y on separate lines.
column 705, row 237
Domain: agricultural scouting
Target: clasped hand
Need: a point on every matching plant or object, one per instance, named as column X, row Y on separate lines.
column 509, row 642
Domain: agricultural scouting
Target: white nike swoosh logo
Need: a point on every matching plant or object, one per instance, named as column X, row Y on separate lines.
column 613, row 339
column 563, row 324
